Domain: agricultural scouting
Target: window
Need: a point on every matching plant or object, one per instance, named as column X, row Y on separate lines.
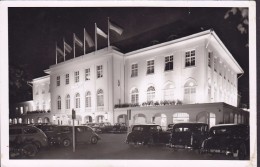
column 134, row 70
column 58, row 80
column 134, row 96
column 168, row 63
column 190, row 92
column 68, row 102
column 67, row 79
column 76, row 75
column 169, row 92
column 190, row 58
column 87, row 74
column 37, row 106
column 59, row 102
column 99, row 71
column 21, row 110
column 43, row 106
column 88, row 99
column 215, row 64
column 100, row 98
column 209, row 59
column 77, row 100
column 150, row 67
column 150, row 93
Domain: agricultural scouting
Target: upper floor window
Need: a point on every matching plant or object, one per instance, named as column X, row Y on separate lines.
column 88, row 99
column 169, row 92
column 58, row 80
column 67, row 79
column 150, row 67
column 21, row 109
column 76, row 75
column 190, row 58
column 168, row 63
column 100, row 97
column 77, row 100
column 99, row 71
column 87, row 74
column 150, row 93
column 209, row 59
column 134, row 72
column 190, row 92
column 59, row 102
column 134, row 96
column 43, row 106
column 68, row 102
column 215, row 64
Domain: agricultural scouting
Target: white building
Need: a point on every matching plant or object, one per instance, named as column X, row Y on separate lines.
column 193, row 78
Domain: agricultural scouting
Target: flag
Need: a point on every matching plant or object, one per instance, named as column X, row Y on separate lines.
column 88, row 39
column 67, row 47
column 78, row 41
column 115, row 28
column 59, row 50
column 101, row 33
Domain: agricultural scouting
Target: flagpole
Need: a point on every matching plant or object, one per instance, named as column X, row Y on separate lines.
column 108, row 25
column 63, row 49
column 95, row 36
column 74, row 44
column 56, row 51
column 84, row 41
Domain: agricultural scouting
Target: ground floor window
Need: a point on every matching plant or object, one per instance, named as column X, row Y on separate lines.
column 180, row 117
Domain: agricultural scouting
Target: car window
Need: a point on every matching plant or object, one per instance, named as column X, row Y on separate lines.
column 65, row 129
column 80, row 129
column 138, row 128
column 29, row 130
column 15, row 131
column 88, row 129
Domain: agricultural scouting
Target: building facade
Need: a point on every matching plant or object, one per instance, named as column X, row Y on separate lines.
column 193, row 78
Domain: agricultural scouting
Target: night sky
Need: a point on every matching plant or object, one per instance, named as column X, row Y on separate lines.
column 34, row 31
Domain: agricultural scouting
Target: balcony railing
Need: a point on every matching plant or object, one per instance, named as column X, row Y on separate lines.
column 150, row 103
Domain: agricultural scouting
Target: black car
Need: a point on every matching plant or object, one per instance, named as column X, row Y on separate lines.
column 119, row 128
column 147, row 134
column 188, row 135
column 51, row 132
column 228, row 139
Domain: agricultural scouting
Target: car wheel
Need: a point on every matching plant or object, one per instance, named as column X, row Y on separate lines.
column 29, row 150
column 94, row 140
column 66, row 142
column 242, row 152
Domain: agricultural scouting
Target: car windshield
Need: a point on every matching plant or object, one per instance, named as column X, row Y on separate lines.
column 225, row 131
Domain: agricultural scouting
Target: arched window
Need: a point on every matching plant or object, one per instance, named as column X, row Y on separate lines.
column 100, row 98
column 37, row 106
column 77, row 100
column 88, row 99
column 134, row 96
column 59, row 102
column 150, row 93
column 68, row 102
column 190, row 92
column 43, row 106
column 180, row 117
column 169, row 92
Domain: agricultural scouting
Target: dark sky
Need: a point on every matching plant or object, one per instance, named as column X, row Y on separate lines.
column 34, row 31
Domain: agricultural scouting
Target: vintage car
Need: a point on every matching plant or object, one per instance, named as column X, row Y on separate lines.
column 83, row 134
column 147, row 134
column 169, row 127
column 50, row 131
column 228, row 139
column 119, row 128
column 188, row 135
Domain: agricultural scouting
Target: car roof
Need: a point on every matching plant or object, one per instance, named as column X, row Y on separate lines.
column 229, row 125
column 146, row 125
column 190, row 123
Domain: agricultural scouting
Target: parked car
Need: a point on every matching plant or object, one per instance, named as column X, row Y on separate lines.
column 188, row 135
column 27, row 134
column 83, row 134
column 105, row 127
column 26, row 149
column 228, row 139
column 119, row 128
column 147, row 134
column 169, row 127
column 50, row 131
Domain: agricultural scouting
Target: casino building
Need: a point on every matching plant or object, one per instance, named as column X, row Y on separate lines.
column 194, row 78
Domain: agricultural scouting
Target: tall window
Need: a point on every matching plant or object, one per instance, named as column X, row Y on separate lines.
column 37, row 106
column 134, row 96
column 58, row 80
column 190, row 92
column 77, row 100
column 99, row 71
column 168, row 63
column 76, row 76
column 100, row 98
column 209, row 59
column 190, row 58
column 59, row 102
column 134, row 70
column 150, row 93
column 87, row 74
column 169, row 92
column 88, row 99
column 67, row 79
column 68, row 102
column 150, row 67
column 43, row 106
column 215, row 64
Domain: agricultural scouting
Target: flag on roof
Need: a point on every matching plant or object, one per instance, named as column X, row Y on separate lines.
column 88, row 39
column 101, row 33
column 67, row 47
column 59, row 50
column 78, row 41
column 116, row 28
